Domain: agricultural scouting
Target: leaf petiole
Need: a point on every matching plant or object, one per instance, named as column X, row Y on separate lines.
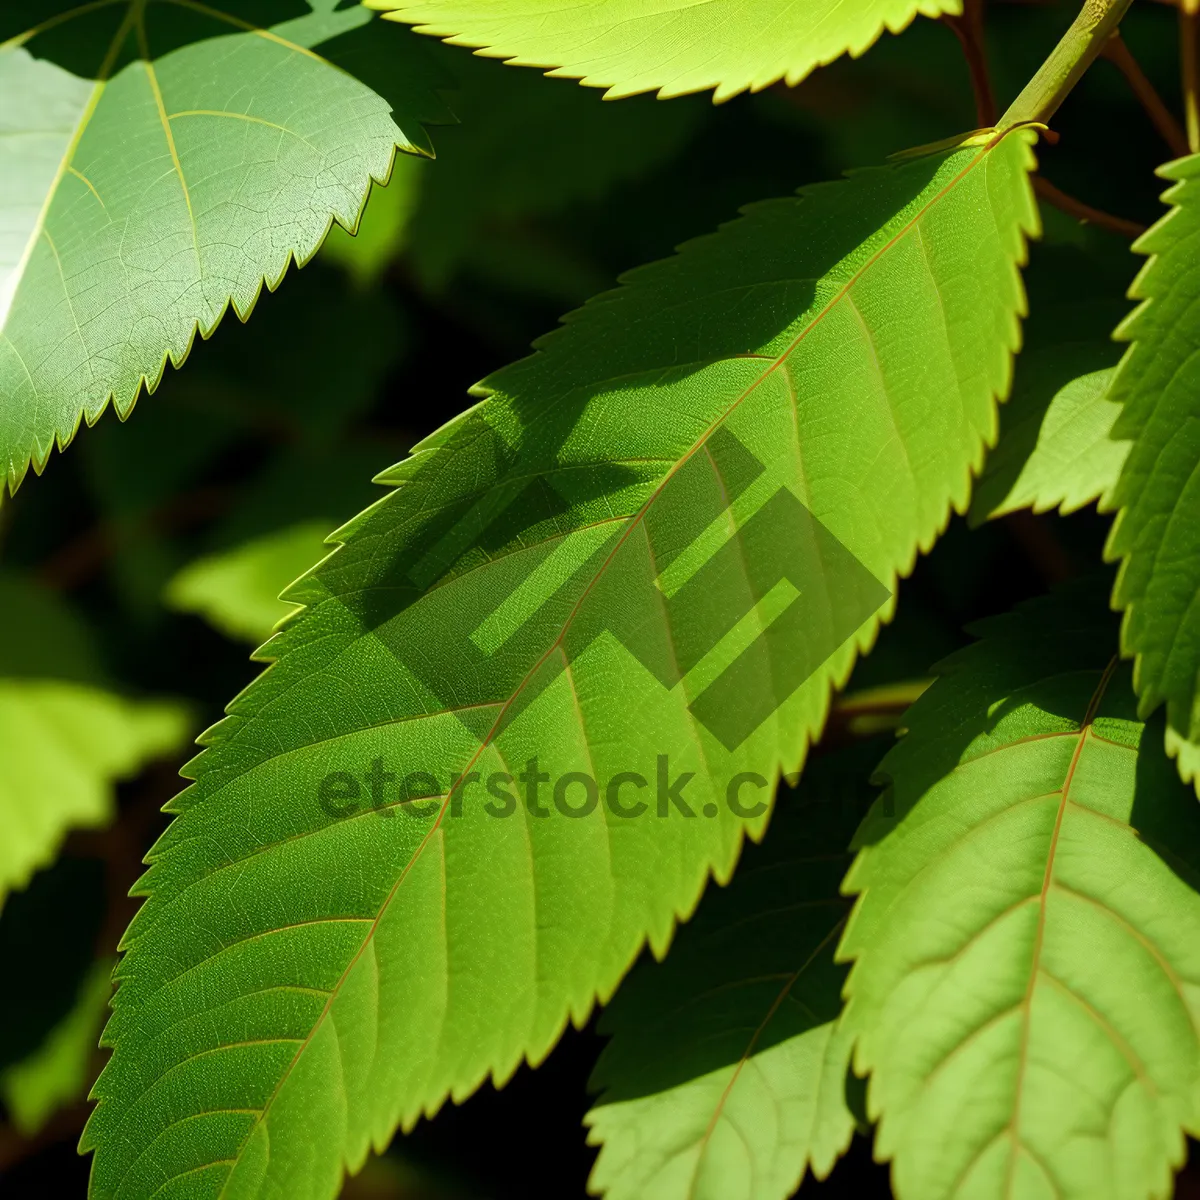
column 1080, row 46
column 1188, row 11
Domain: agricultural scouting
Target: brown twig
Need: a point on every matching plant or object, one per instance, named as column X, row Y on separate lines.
column 1188, row 12
column 969, row 30
column 1118, row 53
column 1085, row 212
column 864, row 713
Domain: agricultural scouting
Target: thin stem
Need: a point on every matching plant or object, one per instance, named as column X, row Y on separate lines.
column 1078, row 49
column 969, row 30
column 1085, row 212
column 1118, row 53
column 1188, row 11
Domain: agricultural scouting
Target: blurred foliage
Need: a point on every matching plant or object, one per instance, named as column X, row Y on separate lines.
column 58, row 1072
column 238, row 591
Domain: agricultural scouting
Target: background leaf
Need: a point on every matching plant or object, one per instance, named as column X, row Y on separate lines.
column 64, row 745
column 1024, row 991
column 725, row 1076
column 1055, row 449
column 151, row 188
column 459, row 944
column 64, row 738
column 238, row 592
column 630, row 46
column 58, row 1071
column 1060, row 456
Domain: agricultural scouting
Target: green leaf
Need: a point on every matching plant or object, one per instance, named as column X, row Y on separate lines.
column 58, row 1072
column 1026, row 987
column 589, row 576
column 149, row 187
column 63, row 746
column 238, row 592
column 1156, row 534
column 1055, row 448
column 630, row 46
column 725, row 1076
column 1057, row 455
column 65, row 737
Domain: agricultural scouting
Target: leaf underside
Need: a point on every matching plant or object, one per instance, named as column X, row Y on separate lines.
column 630, row 46
column 180, row 160
column 592, row 569
column 1155, row 534
column 1026, row 987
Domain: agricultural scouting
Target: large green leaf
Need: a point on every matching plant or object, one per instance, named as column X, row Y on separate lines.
column 725, row 1077
column 180, row 159
column 630, row 46
column 1026, row 991
column 1156, row 533
column 591, row 575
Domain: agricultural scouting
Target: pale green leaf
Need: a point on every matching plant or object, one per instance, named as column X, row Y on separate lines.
column 1059, row 456
column 238, row 592
column 185, row 159
column 590, row 574
column 1156, row 534
column 1026, row 986
column 65, row 737
column 630, row 46
column 1056, row 449
column 63, row 746
column 58, row 1072
column 725, row 1078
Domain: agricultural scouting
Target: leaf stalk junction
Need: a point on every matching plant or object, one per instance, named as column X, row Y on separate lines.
column 1079, row 47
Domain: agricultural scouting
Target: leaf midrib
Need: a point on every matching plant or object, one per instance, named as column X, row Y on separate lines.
column 636, row 520
column 1039, row 937
column 747, row 1054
